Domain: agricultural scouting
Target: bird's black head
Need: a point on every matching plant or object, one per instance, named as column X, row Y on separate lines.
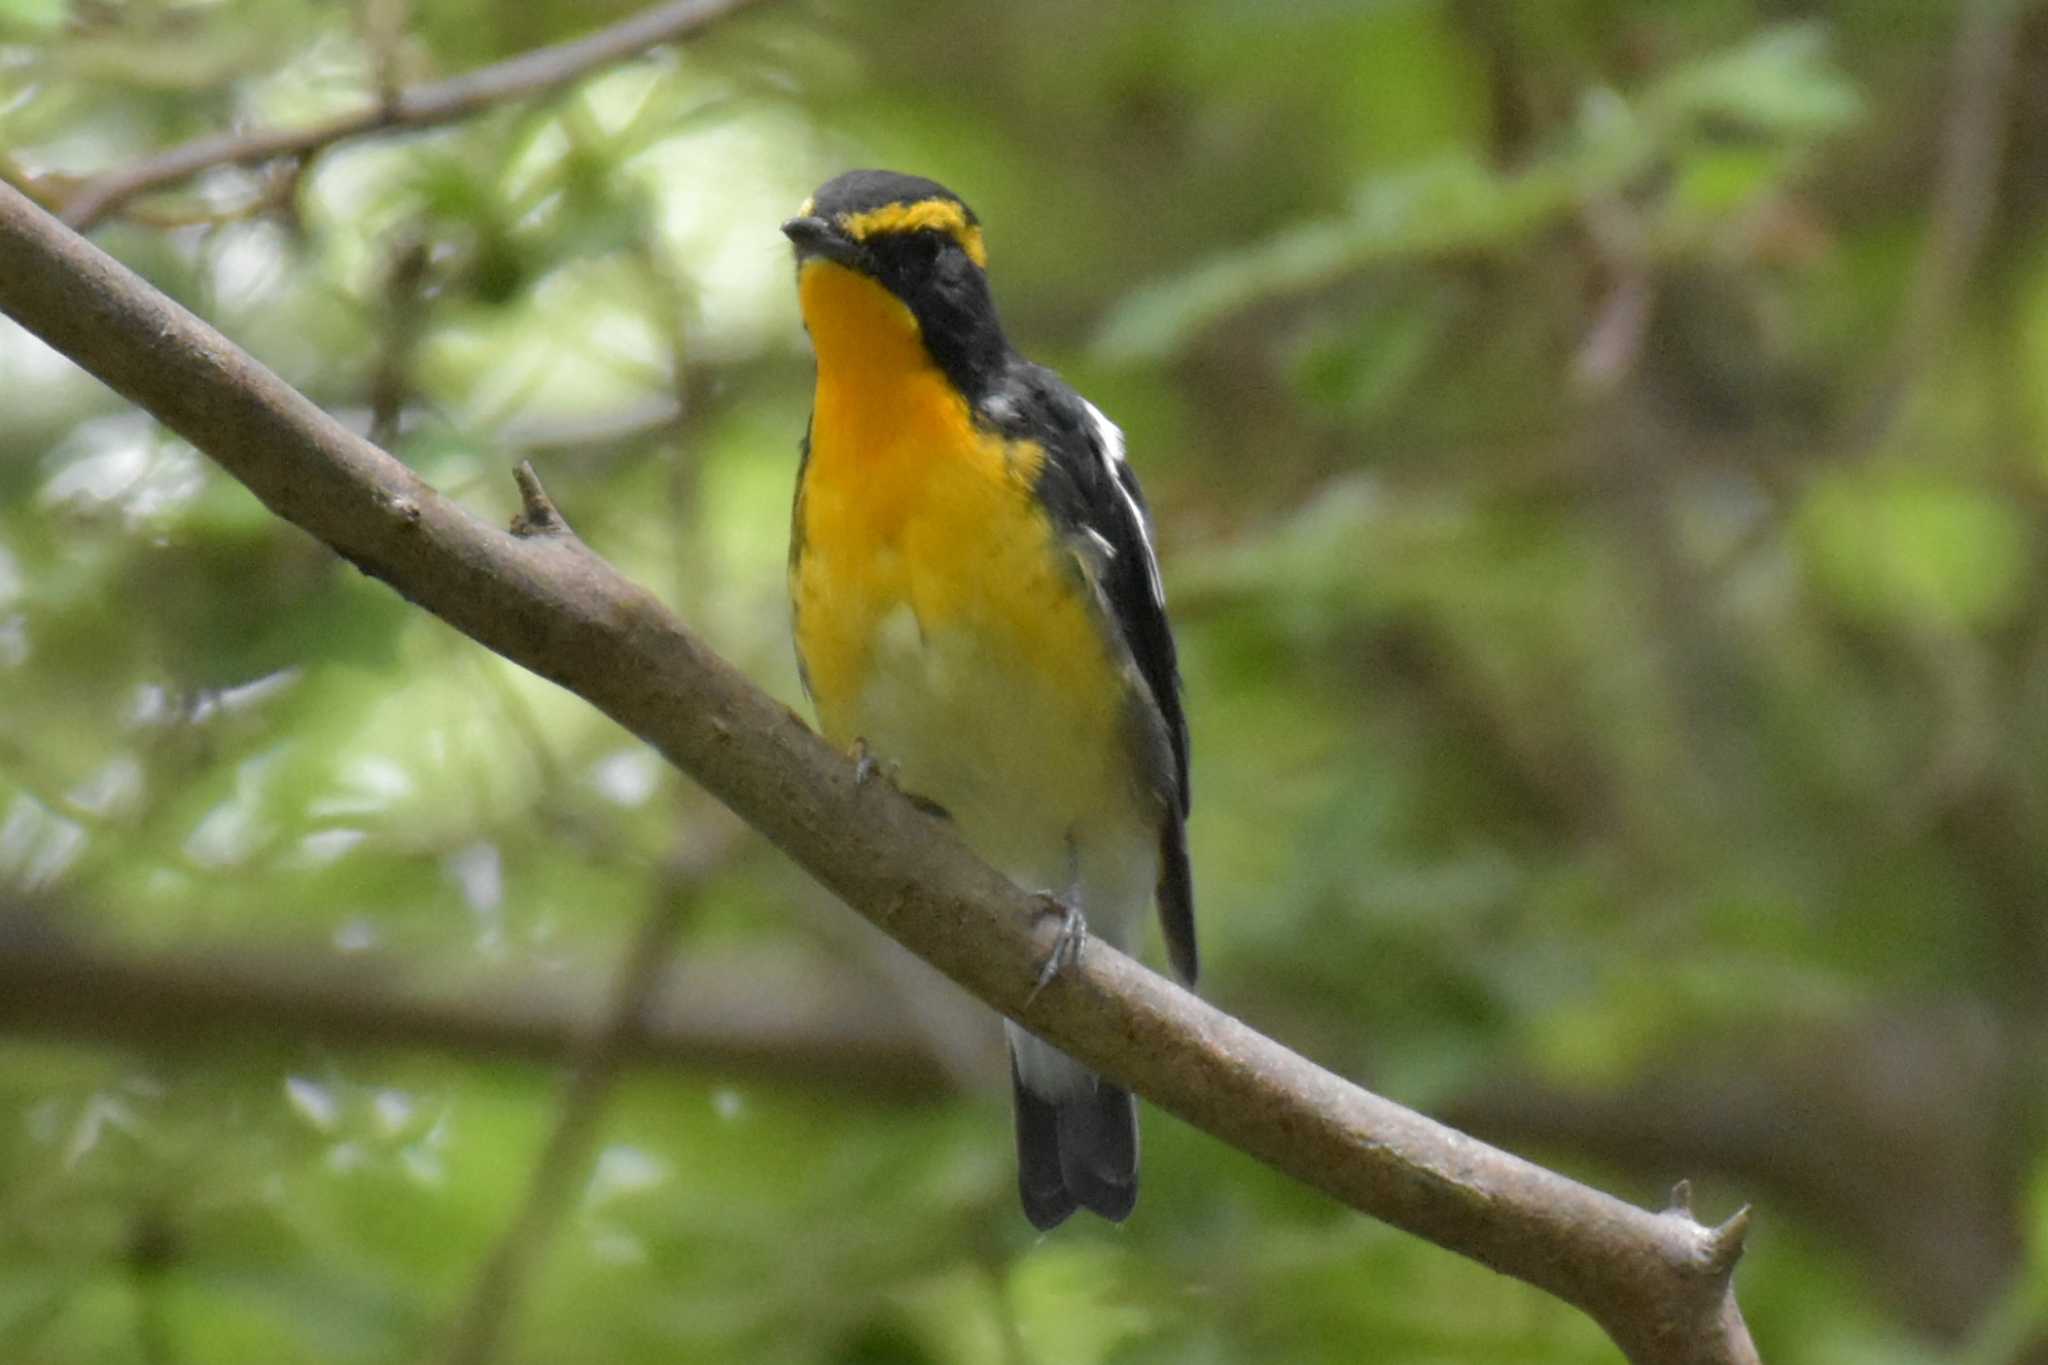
column 920, row 242
column 898, row 228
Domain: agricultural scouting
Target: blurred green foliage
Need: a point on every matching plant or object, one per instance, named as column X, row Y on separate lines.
column 1602, row 501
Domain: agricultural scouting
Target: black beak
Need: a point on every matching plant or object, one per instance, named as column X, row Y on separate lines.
column 818, row 237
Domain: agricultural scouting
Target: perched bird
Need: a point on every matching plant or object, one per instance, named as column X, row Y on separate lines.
column 979, row 611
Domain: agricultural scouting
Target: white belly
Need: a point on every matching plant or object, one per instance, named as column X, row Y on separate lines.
column 998, row 749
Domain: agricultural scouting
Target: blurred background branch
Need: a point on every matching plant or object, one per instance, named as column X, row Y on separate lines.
column 564, row 1163
column 1974, row 132
column 753, row 1014
column 425, row 105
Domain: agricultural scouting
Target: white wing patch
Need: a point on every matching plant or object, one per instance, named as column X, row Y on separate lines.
column 1109, row 439
column 1108, row 435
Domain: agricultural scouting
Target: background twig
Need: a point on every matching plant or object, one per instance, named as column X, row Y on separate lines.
column 495, row 1296
column 420, row 106
column 1965, row 194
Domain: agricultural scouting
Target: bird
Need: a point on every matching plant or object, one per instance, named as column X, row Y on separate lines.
column 978, row 612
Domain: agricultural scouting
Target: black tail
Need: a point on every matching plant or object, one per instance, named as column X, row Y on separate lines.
column 1078, row 1153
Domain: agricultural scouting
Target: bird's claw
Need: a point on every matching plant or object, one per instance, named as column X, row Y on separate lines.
column 1066, row 948
column 867, row 767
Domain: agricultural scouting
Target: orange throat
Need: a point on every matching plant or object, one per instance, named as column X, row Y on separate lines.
column 879, row 393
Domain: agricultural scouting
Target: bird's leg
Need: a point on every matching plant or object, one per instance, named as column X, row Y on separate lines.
column 1073, row 935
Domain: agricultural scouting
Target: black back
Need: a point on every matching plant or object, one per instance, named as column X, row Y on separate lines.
column 1093, row 498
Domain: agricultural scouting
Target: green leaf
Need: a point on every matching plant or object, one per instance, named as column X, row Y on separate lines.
column 1449, row 204
column 35, row 16
column 1916, row 550
column 1778, row 88
column 1780, row 85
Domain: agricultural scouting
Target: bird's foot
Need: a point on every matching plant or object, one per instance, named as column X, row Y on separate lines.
column 867, row 766
column 1066, row 948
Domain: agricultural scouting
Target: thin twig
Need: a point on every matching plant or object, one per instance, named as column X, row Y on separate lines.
column 1614, row 342
column 494, row 1299
column 1658, row 1283
column 420, row 106
column 538, row 515
column 404, row 320
column 1965, row 195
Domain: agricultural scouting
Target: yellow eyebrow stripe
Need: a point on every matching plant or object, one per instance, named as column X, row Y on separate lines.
column 935, row 215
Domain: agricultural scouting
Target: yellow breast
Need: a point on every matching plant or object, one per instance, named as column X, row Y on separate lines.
column 938, row 615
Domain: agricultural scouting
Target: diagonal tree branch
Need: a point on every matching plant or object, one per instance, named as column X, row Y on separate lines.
column 1658, row 1283
column 420, row 106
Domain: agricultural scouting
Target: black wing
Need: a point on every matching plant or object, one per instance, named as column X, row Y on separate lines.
column 1094, row 498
